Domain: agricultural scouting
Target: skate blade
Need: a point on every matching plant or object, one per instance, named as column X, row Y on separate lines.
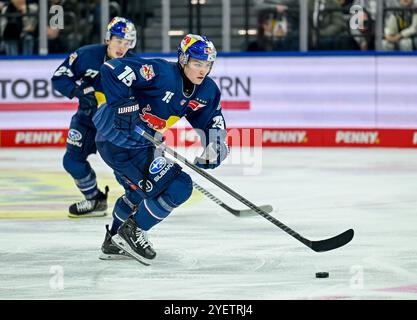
column 105, row 256
column 96, row 214
column 122, row 244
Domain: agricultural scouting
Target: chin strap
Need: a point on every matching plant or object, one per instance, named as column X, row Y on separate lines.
column 188, row 85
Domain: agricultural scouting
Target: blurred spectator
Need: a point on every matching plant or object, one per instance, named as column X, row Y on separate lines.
column 391, row 3
column 95, row 8
column 30, row 27
column 2, row 49
column 11, row 28
column 18, row 27
column 278, row 26
column 364, row 35
column 401, row 28
column 55, row 44
column 277, row 5
column 330, row 28
column 77, row 29
column 370, row 6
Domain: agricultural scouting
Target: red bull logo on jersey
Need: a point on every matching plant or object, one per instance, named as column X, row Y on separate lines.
column 147, row 72
column 153, row 121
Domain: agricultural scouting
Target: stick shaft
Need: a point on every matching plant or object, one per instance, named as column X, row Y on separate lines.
column 225, row 188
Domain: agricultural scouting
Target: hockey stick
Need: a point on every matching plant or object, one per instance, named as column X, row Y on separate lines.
column 318, row 246
column 237, row 213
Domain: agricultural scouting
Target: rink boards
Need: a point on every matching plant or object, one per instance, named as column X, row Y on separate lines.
column 354, row 100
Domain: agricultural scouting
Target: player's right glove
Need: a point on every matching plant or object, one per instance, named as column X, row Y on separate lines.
column 213, row 155
column 86, row 97
column 126, row 115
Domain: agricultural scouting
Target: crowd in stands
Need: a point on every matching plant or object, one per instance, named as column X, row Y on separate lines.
column 278, row 25
column 330, row 25
column 19, row 25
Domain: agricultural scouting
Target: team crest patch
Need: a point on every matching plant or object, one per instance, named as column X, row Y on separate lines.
column 72, row 58
column 147, row 72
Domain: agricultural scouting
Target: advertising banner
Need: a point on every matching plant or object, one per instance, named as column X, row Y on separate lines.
column 278, row 93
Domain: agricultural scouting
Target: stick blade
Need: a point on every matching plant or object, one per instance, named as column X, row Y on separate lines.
column 333, row 243
column 250, row 213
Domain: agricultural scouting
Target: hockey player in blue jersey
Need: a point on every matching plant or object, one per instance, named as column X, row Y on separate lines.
column 153, row 94
column 83, row 66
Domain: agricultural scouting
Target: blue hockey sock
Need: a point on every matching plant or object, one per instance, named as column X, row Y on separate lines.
column 150, row 212
column 88, row 185
column 123, row 208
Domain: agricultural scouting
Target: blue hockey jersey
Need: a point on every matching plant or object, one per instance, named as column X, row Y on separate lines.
column 157, row 87
column 81, row 66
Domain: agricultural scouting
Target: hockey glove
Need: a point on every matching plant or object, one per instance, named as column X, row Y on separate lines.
column 126, row 115
column 213, row 155
column 85, row 97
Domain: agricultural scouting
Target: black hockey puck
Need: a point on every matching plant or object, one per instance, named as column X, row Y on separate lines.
column 322, row 274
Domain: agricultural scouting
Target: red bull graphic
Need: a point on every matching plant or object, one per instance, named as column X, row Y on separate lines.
column 208, row 50
column 153, row 121
column 187, row 40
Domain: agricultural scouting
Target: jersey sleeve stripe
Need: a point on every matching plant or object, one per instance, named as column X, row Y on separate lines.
column 109, row 65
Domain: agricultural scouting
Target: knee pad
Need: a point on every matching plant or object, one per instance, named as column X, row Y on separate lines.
column 76, row 166
column 152, row 211
column 177, row 193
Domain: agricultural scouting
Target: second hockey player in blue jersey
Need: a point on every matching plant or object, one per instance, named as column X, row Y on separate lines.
column 78, row 77
column 153, row 94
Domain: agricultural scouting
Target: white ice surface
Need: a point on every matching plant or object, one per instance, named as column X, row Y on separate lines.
column 203, row 252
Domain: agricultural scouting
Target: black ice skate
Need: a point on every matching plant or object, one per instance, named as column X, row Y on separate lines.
column 110, row 251
column 134, row 241
column 90, row 208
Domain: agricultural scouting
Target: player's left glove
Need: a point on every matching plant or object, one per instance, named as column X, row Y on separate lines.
column 86, row 97
column 213, row 155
